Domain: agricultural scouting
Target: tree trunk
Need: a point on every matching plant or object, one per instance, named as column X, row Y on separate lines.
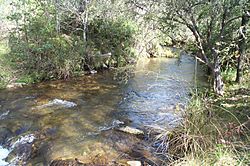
column 242, row 47
column 239, row 68
column 85, row 19
column 215, row 67
column 58, row 17
column 218, row 82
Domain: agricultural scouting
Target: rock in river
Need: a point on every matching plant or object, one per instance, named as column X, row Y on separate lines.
column 130, row 130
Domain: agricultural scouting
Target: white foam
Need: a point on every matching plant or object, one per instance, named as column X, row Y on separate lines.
column 23, row 140
column 3, row 115
column 3, row 154
column 58, row 102
column 65, row 103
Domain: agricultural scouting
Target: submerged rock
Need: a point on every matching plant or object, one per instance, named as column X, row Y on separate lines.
column 130, row 130
column 21, row 150
column 132, row 146
column 22, row 129
column 5, row 133
column 68, row 162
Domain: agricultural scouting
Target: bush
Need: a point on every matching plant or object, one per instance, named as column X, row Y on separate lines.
column 41, row 53
column 38, row 50
column 113, row 36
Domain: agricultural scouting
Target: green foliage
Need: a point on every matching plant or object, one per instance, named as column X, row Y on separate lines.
column 5, row 70
column 113, row 36
column 229, row 75
column 40, row 51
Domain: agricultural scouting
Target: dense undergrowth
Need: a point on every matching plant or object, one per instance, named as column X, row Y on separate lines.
column 42, row 53
column 5, row 69
column 55, row 41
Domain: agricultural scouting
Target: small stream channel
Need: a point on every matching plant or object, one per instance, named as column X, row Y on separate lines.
column 75, row 119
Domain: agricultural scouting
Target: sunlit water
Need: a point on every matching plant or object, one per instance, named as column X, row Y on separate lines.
column 74, row 119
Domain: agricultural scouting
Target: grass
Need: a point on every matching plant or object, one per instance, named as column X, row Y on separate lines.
column 215, row 131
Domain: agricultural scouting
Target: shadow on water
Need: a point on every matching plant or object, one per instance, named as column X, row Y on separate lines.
column 74, row 119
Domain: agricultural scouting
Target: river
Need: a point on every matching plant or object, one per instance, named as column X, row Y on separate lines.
column 75, row 119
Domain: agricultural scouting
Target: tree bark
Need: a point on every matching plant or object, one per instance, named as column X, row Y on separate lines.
column 85, row 18
column 218, row 82
column 58, row 17
column 216, row 67
column 242, row 47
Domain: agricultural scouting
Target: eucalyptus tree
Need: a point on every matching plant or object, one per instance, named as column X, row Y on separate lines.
column 242, row 40
column 213, row 24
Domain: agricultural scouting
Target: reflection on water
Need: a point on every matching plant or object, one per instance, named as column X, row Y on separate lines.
column 157, row 87
column 79, row 131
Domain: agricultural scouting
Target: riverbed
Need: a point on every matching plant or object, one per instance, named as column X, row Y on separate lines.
column 76, row 119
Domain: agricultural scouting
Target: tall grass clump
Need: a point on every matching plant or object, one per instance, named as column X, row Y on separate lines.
column 211, row 133
column 197, row 132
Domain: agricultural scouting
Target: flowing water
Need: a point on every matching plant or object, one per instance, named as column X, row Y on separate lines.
column 75, row 118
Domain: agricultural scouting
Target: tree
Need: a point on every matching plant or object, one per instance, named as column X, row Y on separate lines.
column 212, row 23
column 242, row 41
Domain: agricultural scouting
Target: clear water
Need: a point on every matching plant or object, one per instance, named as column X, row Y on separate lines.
column 96, row 103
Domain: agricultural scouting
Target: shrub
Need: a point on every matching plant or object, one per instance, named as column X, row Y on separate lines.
column 38, row 50
column 113, row 36
column 41, row 53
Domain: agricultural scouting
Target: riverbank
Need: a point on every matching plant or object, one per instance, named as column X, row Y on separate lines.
column 31, row 52
column 11, row 76
column 215, row 130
